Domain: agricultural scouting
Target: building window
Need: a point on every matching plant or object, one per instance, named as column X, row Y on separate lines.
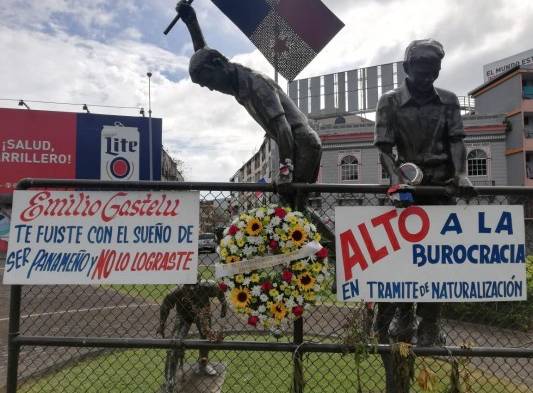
column 349, row 167
column 477, row 163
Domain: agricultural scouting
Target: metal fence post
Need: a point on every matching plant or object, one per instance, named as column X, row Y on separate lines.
column 298, row 334
column 13, row 348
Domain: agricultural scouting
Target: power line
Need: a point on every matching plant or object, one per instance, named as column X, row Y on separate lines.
column 72, row 104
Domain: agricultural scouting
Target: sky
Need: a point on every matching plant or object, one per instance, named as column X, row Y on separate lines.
column 99, row 51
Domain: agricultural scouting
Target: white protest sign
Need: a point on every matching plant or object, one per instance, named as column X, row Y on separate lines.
column 97, row 237
column 430, row 253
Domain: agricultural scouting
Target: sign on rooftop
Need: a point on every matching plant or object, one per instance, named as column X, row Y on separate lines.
column 492, row 70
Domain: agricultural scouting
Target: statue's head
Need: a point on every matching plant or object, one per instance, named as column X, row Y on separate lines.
column 208, row 67
column 422, row 63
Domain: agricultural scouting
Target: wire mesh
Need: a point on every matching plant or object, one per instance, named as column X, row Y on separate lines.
column 133, row 311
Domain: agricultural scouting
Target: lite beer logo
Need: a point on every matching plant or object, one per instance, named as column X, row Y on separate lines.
column 120, row 153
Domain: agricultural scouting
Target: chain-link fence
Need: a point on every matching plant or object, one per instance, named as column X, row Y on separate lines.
column 104, row 338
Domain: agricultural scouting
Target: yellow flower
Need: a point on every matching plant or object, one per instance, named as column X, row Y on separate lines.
column 295, row 293
column 254, row 227
column 309, row 296
column 278, row 310
column 317, row 237
column 232, row 258
column 239, row 278
column 273, row 292
column 241, row 242
column 316, row 267
column 261, row 249
column 254, row 277
column 240, row 297
column 298, row 235
column 298, row 266
column 223, row 253
column 306, row 281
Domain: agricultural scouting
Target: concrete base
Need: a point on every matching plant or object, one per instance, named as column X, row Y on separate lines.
column 190, row 382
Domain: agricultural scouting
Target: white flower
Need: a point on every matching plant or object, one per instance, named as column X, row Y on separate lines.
column 246, row 281
column 262, row 308
column 290, row 303
column 263, row 297
column 254, row 313
column 249, row 250
column 316, row 288
column 279, row 298
column 300, row 299
column 256, row 290
column 275, row 221
column 233, row 249
column 320, row 278
column 285, row 227
column 239, row 235
column 313, row 227
column 260, row 213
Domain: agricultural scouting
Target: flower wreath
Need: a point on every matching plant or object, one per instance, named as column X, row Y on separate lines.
column 286, row 240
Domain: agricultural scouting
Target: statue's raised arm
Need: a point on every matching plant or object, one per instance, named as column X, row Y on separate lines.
column 188, row 15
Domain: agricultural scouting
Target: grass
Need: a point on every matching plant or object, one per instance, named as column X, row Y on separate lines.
column 247, row 372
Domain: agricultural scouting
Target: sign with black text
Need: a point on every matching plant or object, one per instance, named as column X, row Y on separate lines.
column 96, row 237
column 430, row 253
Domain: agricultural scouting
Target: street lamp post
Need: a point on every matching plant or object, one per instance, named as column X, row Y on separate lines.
column 149, row 75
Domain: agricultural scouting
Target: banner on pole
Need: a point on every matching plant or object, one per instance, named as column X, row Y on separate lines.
column 103, row 237
column 430, row 253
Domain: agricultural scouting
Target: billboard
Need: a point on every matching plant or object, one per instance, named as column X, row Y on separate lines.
column 492, row 70
column 430, row 253
column 60, row 145
column 97, row 237
column 355, row 90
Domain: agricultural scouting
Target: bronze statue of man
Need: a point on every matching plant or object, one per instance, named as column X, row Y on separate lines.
column 424, row 124
column 192, row 303
column 299, row 145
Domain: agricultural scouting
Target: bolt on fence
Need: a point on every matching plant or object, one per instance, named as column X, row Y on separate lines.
column 73, row 338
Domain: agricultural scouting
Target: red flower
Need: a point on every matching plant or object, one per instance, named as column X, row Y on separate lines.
column 253, row 320
column 266, row 286
column 280, row 212
column 323, row 253
column 222, row 286
column 273, row 245
column 286, row 276
column 233, row 229
column 297, row 310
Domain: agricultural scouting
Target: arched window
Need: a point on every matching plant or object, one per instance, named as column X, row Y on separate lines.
column 349, row 168
column 477, row 163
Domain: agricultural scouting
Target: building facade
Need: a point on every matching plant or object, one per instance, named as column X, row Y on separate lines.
column 511, row 93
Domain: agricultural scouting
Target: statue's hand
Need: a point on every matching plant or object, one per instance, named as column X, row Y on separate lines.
column 462, row 185
column 185, row 11
column 286, row 170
